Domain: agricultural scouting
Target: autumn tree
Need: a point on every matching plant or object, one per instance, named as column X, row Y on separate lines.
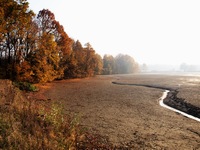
column 90, row 60
column 87, row 61
column 48, row 25
column 98, row 65
column 121, row 64
column 64, row 46
column 48, row 47
column 45, row 59
column 15, row 22
column 24, row 69
column 109, row 65
column 79, row 58
column 125, row 64
column 38, row 49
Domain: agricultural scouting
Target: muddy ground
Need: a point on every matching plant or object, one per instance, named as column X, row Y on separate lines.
column 129, row 114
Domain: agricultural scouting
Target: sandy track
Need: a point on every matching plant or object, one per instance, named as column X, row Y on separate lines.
column 126, row 114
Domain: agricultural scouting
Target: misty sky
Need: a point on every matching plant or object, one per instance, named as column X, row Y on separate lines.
column 152, row 31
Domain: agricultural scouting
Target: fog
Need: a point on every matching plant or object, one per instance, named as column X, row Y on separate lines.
column 172, row 68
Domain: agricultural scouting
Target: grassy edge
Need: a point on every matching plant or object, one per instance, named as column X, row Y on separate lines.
column 32, row 124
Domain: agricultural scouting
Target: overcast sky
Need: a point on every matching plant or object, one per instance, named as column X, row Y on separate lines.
column 152, row 31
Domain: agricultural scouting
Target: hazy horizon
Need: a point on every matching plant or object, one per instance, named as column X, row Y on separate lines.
column 152, row 32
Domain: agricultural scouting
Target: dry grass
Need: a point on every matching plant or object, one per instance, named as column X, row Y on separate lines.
column 30, row 124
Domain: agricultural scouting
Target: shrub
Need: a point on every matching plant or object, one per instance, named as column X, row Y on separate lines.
column 25, row 86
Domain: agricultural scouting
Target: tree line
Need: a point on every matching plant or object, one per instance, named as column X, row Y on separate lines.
column 121, row 64
column 35, row 48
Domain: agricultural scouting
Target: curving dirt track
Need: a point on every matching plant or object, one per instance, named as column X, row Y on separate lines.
column 130, row 115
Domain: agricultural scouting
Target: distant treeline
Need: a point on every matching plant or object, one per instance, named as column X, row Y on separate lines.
column 35, row 48
column 121, row 64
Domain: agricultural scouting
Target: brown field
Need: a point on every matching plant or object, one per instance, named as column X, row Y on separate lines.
column 130, row 115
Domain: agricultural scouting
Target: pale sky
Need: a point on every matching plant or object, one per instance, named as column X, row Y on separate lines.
column 151, row 31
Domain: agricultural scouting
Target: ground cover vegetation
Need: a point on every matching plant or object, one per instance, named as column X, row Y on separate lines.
column 27, row 125
column 36, row 48
column 34, row 124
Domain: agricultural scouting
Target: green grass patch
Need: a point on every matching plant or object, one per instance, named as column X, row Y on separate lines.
column 25, row 86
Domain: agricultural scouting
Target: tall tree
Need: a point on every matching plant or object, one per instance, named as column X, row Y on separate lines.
column 50, row 41
column 98, row 64
column 24, row 69
column 126, row 64
column 15, row 19
column 46, row 22
column 48, row 25
column 80, row 57
column 88, row 63
column 45, row 59
column 93, row 61
column 109, row 65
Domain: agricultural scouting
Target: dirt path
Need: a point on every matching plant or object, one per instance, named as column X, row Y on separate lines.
column 125, row 114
